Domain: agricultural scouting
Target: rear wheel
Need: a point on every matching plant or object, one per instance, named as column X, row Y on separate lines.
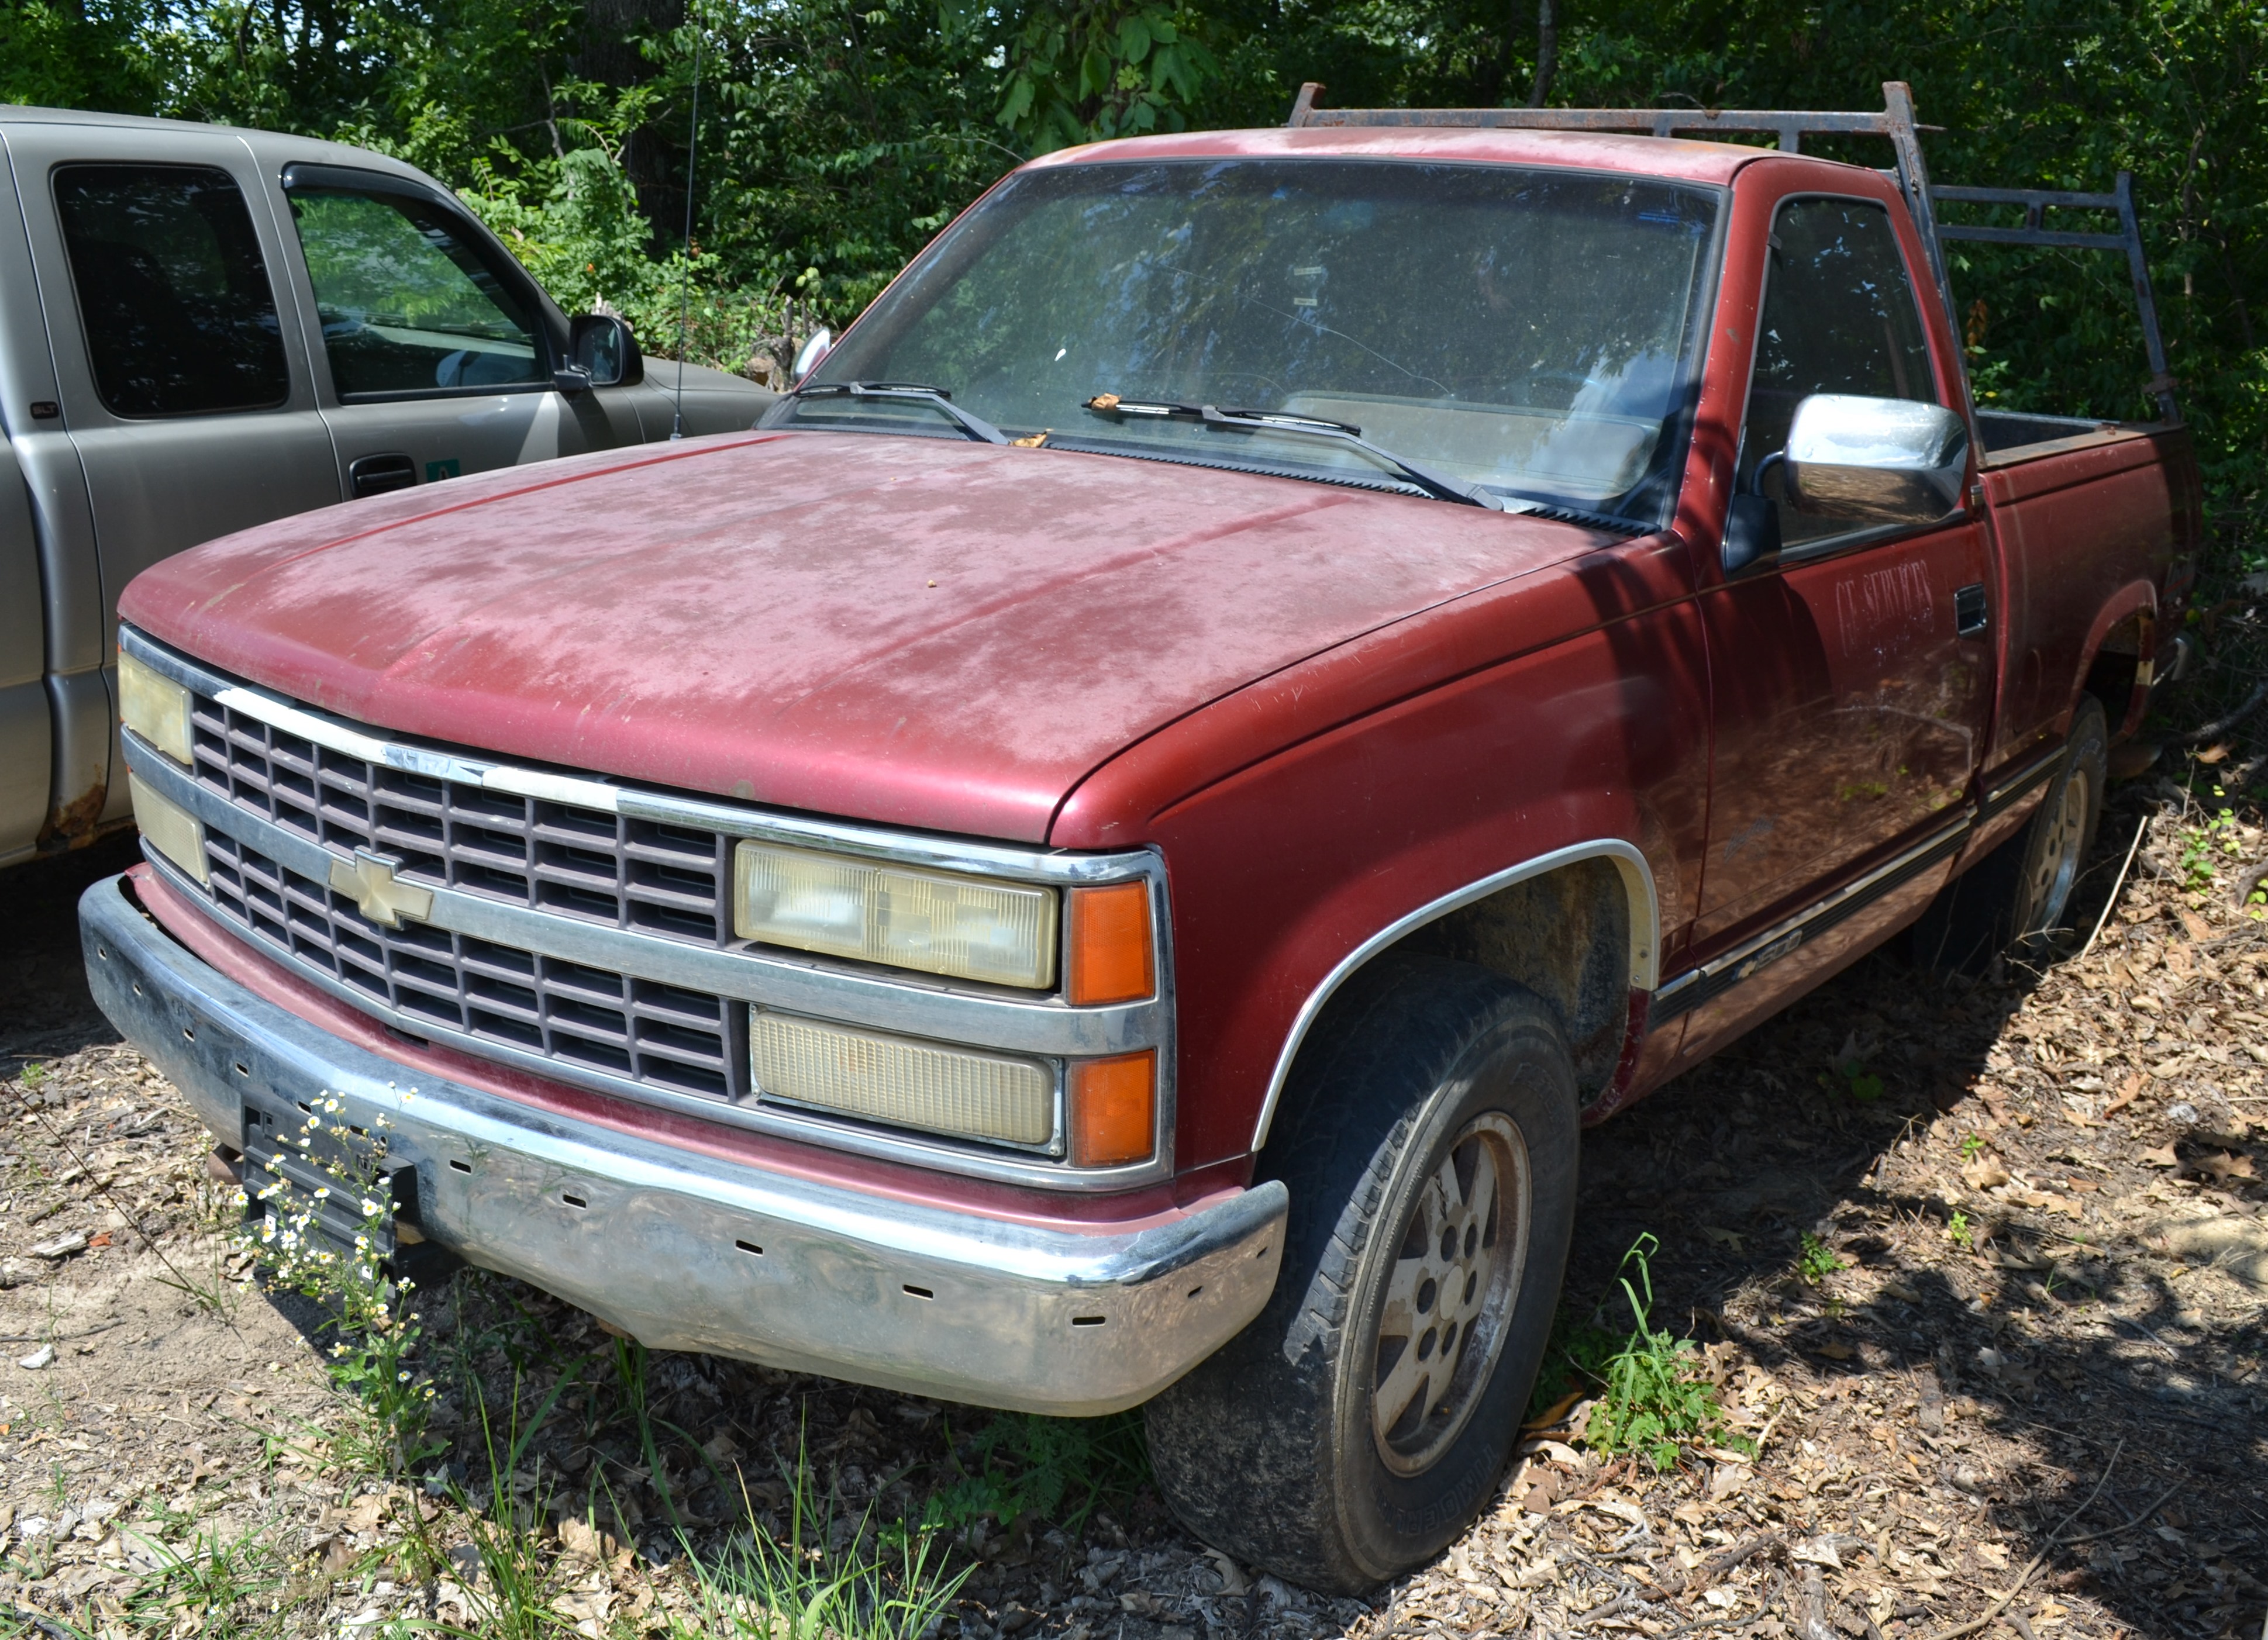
column 1429, row 1144
column 2021, row 896
column 2062, row 836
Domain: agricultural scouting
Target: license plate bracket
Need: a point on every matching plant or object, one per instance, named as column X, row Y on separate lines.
column 273, row 1155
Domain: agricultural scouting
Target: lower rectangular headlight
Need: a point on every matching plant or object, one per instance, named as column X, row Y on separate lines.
column 169, row 829
column 876, row 1077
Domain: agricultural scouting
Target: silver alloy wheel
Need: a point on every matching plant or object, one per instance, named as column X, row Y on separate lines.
column 2057, row 867
column 1455, row 1279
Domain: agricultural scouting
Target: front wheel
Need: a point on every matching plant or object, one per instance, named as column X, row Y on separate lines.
column 1430, row 1145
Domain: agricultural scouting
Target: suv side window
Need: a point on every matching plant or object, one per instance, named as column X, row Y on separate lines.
column 179, row 314
column 1839, row 316
column 407, row 306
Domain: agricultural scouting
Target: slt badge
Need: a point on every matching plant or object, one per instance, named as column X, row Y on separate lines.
column 377, row 893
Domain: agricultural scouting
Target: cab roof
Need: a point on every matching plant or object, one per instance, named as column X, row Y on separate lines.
column 267, row 145
column 1674, row 159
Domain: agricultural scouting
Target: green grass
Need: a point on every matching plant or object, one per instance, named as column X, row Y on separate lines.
column 1862, row 1084
column 1574, row 1362
column 796, row 1587
column 1816, row 1260
column 1058, row 1470
column 214, row 1587
column 509, row 1385
column 2204, row 844
column 1651, row 1397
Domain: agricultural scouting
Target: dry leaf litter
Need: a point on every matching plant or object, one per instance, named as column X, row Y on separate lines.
column 2011, row 1384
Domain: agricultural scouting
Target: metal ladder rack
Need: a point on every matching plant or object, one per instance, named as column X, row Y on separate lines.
column 1789, row 127
column 2128, row 239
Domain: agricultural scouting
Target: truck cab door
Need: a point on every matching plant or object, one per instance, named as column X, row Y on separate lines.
column 1852, row 676
column 438, row 350
column 180, row 378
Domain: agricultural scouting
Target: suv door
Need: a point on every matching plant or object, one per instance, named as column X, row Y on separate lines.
column 25, row 733
column 437, row 347
column 183, row 388
column 1851, row 677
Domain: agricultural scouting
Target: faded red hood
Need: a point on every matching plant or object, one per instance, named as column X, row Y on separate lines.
column 909, row 630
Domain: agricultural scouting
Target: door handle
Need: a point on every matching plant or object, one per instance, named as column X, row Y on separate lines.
column 380, row 474
column 1970, row 613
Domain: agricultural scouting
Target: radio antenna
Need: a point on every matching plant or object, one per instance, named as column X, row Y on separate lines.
column 685, row 271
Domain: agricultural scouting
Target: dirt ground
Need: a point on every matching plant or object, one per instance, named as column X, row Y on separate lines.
column 1979, row 1268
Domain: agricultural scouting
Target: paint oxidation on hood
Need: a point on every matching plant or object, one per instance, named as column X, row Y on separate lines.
column 912, row 631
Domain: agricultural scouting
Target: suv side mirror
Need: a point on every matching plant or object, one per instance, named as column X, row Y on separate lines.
column 602, row 352
column 1875, row 460
column 810, row 354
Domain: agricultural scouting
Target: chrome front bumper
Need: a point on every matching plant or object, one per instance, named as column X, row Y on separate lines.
column 663, row 1242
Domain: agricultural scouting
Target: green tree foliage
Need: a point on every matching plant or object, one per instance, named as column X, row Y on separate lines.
column 58, row 55
column 1090, row 71
column 839, row 136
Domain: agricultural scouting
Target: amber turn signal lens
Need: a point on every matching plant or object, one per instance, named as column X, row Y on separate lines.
column 1113, row 1107
column 1110, row 944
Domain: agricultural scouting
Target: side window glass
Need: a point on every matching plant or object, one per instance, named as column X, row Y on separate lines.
column 407, row 304
column 1839, row 316
column 179, row 314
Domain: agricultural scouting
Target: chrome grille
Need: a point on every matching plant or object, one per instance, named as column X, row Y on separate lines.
column 577, row 862
column 565, row 860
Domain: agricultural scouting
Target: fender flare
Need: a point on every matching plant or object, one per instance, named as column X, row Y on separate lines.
column 2136, row 597
column 1631, row 866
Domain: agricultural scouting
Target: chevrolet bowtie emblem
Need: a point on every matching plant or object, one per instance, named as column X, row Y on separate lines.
column 382, row 897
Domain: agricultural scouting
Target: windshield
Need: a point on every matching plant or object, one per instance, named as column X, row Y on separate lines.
column 1523, row 330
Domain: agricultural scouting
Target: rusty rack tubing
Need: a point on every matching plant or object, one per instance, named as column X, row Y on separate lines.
column 1896, row 122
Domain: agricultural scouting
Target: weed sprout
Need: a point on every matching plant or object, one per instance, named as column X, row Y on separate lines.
column 1653, row 1398
column 377, row 1333
column 1817, row 1261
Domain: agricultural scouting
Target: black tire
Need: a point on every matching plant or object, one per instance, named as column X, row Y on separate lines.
column 2020, row 896
column 1425, row 1079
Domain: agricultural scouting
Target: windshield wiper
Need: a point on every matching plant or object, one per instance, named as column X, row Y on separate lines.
column 918, row 393
column 1314, row 427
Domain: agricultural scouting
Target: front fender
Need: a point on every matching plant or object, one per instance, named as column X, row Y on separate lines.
column 1289, row 873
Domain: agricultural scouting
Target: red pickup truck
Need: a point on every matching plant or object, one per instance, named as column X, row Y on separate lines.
column 1105, row 852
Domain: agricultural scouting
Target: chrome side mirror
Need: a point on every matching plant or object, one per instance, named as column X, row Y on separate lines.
column 1875, row 460
column 810, row 354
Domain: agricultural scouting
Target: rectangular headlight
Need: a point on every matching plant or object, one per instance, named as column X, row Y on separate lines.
column 154, row 707
column 879, row 1078
column 171, row 829
column 937, row 922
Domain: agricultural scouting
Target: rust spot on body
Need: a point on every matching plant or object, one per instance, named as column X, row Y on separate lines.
column 73, row 824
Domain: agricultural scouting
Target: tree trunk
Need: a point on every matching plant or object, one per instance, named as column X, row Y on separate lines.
column 1489, row 86
column 1547, row 50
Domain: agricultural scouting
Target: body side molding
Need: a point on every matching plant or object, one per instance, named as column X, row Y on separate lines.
column 1697, row 985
